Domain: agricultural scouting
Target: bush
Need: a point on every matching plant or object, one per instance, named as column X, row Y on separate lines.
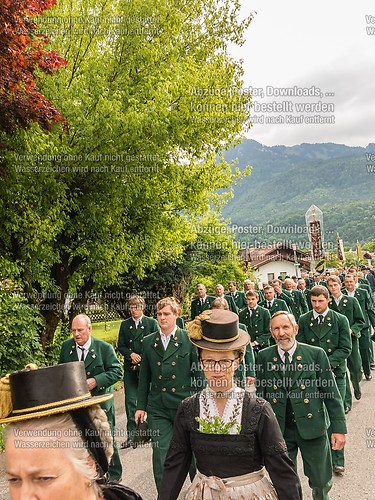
column 19, row 332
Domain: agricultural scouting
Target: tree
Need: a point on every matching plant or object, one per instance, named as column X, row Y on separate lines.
column 119, row 191
column 22, row 56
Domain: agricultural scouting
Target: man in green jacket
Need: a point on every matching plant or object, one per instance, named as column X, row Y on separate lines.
column 169, row 373
column 257, row 321
column 349, row 307
column 103, row 369
column 238, row 297
column 330, row 330
column 130, row 342
column 367, row 306
column 200, row 303
column 296, row 379
column 299, row 305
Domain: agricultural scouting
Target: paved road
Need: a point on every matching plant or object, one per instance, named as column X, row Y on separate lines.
column 358, row 482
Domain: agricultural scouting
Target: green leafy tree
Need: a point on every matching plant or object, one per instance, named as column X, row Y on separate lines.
column 116, row 193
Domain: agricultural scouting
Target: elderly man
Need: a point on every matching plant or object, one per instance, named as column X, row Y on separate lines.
column 169, row 373
column 202, row 302
column 298, row 382
column 103, row 369
column 130, row 342
column 219, row 289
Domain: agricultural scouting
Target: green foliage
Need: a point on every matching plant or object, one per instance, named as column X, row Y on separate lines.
column 114, row 195
column 19, row 333
column 216, row 425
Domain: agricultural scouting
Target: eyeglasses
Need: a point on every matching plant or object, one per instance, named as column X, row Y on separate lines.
column 210, row 364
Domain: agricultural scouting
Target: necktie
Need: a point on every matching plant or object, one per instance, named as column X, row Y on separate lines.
column 320, row 319
column 287, row 368
column 269, row 305
column 82, row 353
column 251, row 312
column 202, row 302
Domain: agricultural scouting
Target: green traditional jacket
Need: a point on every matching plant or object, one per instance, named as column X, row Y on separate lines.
column 277, row 305
column 366, row 303
column 333, row 336
column 311, row 387
column 168, row 377
column 258, row 325
column 130, row 338
column 298, row 305
column 349, row 307
column 197, row 308
column 239, row 299
column 101, row 363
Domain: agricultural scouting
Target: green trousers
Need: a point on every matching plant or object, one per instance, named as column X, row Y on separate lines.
column 160, row 422
column 365, row 350
column 355, row 369
column 131, row 378
column 316, row 456
column 115, row 467
column 338, row 457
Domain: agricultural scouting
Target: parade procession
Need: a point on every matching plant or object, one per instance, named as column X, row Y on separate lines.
column 187, row 250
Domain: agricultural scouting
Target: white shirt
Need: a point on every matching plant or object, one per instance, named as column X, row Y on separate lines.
column 337, row 300
column 137, row 321
column 86, row 348
column 324, row 314
column 291, row 352
column 166, row 338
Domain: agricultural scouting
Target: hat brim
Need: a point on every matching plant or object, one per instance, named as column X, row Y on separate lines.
column 85, row 403
column 242, row 341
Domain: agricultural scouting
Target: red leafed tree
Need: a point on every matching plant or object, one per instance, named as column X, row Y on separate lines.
column 22, row 54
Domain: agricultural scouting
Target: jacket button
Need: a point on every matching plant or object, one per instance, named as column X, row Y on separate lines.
column 312, row 340
column 173, row 363
column 329, row 350
column 309, row 415
column 328, row 341
column 274, row 400
column 303, row 387
column 160, row 377
column 88, row 373
column 164, row 389
column 173, row 389
column 306, row 401
column 173, row 376
column 159, row 363
column 131, row 341
column 275, row 388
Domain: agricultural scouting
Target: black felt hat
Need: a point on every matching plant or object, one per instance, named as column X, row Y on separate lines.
column 217, row 330
column 39, row 392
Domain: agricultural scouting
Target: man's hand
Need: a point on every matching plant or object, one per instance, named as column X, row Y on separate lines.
column 338, row 441
column 91, row 383
column 136, row 358
column 139, row 415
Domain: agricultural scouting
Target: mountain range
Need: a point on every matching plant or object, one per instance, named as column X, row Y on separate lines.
column 270, row 204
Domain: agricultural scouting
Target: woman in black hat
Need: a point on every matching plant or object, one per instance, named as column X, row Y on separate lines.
column 58, row 441
column 233, row 434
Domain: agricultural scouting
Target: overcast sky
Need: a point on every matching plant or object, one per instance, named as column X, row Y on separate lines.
column 322, row 44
